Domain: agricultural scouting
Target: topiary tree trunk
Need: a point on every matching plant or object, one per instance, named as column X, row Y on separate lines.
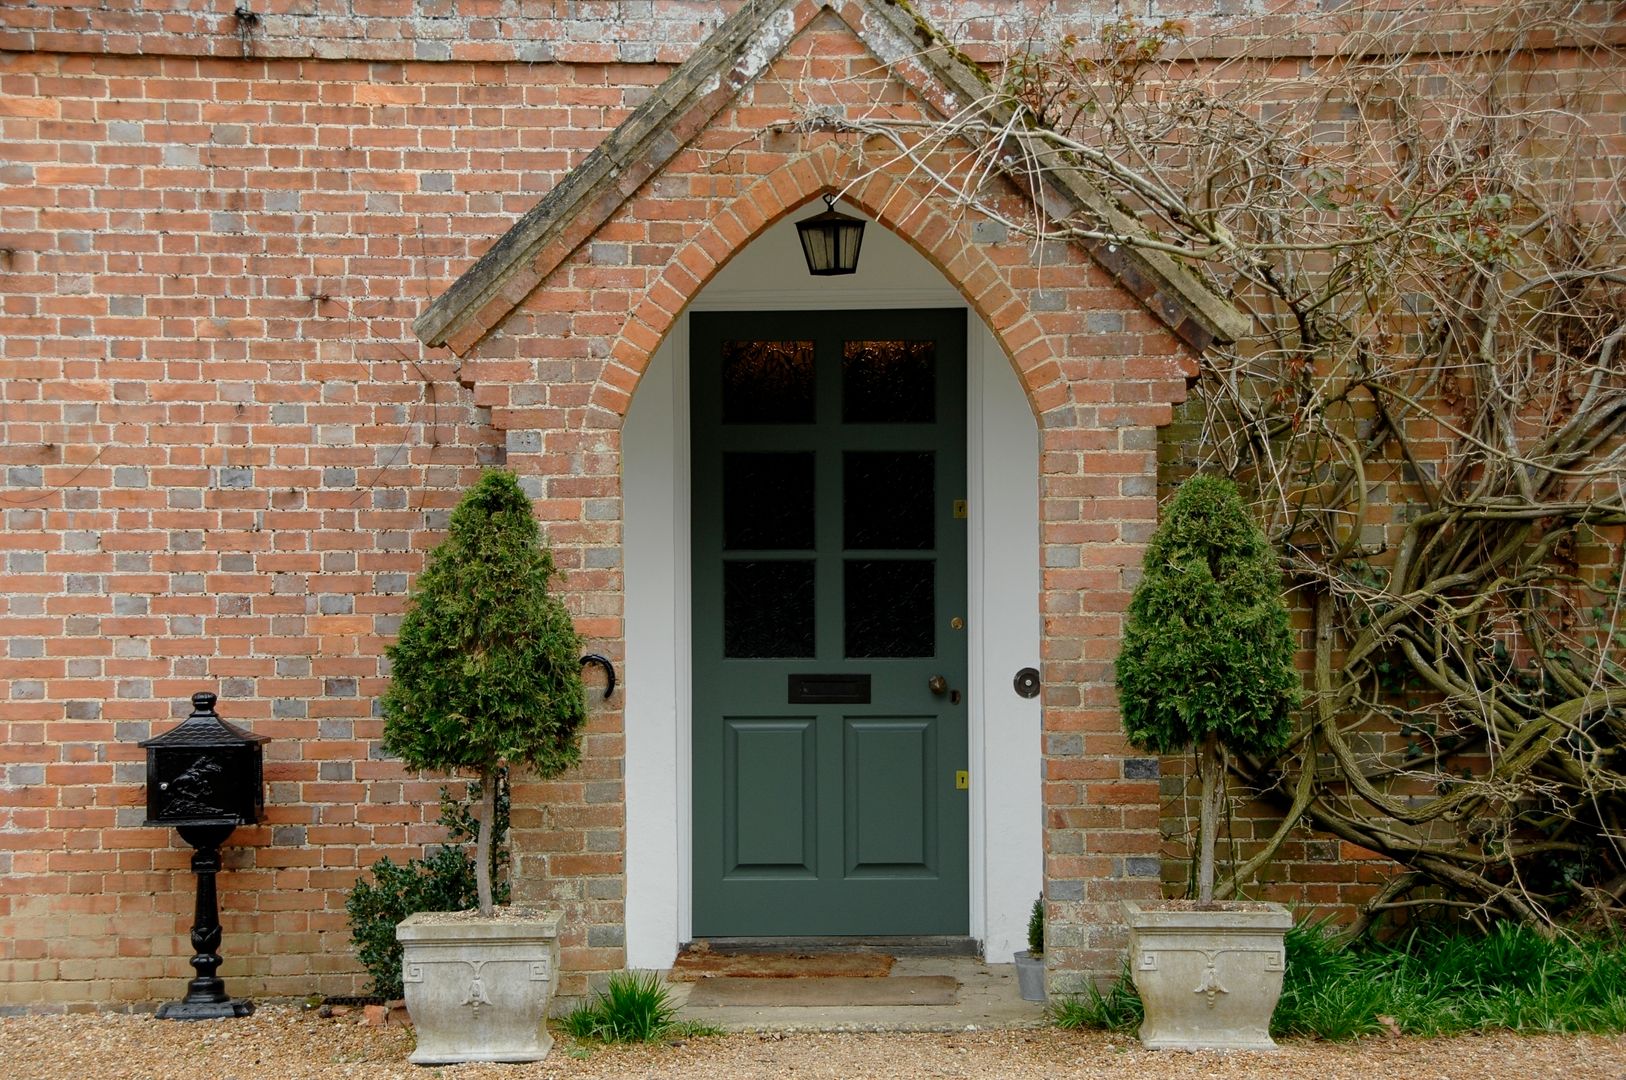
column 486, row 672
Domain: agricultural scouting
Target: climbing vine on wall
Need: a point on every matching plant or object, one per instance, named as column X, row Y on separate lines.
column 1425, row 228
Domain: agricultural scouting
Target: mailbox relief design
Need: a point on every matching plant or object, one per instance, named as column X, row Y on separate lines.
column 205, row 772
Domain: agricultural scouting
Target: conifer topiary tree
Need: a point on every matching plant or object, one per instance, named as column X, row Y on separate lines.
column 1207, row 657
column 487, row 669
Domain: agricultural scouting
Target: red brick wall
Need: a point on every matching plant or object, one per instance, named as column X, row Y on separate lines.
column 224, row 453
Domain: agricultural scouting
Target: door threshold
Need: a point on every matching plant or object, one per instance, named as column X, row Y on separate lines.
column 911, row 945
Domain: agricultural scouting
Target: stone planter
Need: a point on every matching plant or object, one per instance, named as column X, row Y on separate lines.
column 478, row 989
column 1030, row 976
column 1209, row 979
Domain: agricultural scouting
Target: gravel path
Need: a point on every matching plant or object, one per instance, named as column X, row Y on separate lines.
column 286, row 1043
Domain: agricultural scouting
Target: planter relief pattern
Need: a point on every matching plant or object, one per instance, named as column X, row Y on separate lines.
column 1208, row 979
column 478, row 990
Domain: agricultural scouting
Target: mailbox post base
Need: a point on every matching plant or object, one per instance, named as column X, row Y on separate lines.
column 204, row 1010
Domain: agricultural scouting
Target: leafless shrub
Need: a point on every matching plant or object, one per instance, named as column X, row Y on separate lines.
column 1426, row 228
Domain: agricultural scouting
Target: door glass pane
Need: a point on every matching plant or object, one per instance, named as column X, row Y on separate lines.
column 887, row 499
column 768, row 608
column 889, row 382
column 767, row 500
column 767, row 382
column 890, row 607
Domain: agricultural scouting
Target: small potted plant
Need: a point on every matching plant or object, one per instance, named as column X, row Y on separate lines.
column 1030, row 964
column 1207, row 665
column 485, row 675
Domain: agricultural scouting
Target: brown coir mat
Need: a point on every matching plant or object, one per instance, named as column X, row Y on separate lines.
column 697, row 965
column 824, row 993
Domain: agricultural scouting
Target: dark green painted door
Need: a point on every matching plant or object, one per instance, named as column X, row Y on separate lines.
column 829, row 563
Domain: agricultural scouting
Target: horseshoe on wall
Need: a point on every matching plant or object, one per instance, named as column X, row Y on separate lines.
column 609, row 670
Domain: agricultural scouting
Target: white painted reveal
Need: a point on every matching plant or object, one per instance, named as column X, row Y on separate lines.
column 1003, row 457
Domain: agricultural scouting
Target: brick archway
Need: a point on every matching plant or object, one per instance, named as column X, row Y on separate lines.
column 904, row 208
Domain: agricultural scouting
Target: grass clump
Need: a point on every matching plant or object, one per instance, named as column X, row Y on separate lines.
column 1428, row 982
column 634, row 1007
column 1116, row 1009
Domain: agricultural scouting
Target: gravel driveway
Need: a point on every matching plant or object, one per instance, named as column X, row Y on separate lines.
column 287, row 1043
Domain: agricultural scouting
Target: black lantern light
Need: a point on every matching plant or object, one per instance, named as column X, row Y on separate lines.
column 830, row 240
column 205, row 778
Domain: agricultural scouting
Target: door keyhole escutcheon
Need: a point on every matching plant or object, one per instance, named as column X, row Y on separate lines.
column 938, row 685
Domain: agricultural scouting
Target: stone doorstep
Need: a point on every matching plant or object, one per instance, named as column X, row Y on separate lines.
column 988, row 997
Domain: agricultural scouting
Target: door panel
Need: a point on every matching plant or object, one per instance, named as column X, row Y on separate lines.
column 829, row 571
column 770, row 775
column 891, row 801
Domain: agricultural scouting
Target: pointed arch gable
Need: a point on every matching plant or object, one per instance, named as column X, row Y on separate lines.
column 896, row 203
column 736, row 54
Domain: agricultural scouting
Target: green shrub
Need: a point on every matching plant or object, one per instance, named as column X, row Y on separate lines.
column 634, row 1007
column 1207, row 656
column 1430, row 982
column 487, row 671
column 1036, row 928
column 1327, row 991
column 443, row 880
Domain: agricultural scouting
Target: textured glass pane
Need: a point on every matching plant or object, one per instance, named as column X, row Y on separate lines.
column 767, row 500
column 767, row 382
column 768, row 608
column 890, row 608
column 887, row 499
column 889, row 382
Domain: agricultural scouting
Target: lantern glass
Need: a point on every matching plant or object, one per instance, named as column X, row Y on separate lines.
column 831, row 241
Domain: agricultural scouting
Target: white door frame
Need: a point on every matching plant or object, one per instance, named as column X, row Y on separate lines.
column 1003, row 617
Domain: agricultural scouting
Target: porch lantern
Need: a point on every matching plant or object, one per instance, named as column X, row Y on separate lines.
column 830, row 240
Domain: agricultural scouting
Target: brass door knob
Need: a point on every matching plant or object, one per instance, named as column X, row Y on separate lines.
column 938, row 685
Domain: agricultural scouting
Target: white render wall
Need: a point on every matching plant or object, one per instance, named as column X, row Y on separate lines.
column 1003, row 621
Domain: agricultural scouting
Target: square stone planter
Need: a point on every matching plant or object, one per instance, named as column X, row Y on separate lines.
column 478, row 989
column 1209, row 979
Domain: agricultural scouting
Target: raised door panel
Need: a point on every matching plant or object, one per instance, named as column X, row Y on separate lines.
column 770, row 779
column 890, row 797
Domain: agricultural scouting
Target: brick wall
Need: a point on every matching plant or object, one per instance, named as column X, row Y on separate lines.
column 225, row 456
column 224, row 453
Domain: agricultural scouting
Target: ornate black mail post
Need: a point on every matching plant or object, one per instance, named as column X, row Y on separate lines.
column 205, row 778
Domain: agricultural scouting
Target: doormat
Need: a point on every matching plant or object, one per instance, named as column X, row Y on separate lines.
column 698, row 965
column 825, row 993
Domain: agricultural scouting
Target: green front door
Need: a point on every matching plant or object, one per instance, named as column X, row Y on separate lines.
column 829, row 563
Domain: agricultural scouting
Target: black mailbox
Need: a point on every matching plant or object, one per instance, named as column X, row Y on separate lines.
column 205, row 778
column 205, row 772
